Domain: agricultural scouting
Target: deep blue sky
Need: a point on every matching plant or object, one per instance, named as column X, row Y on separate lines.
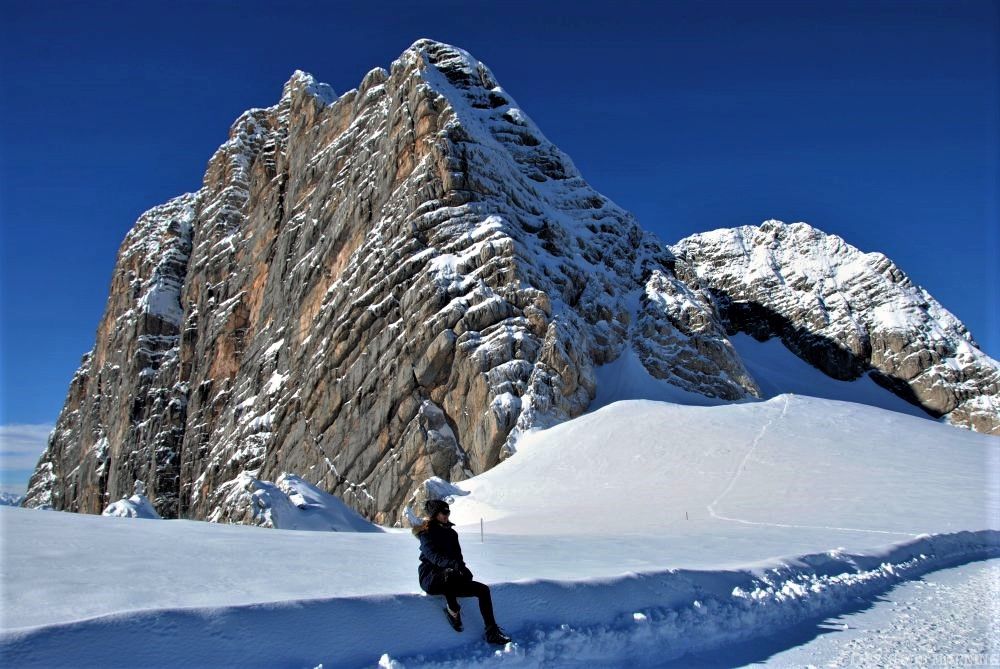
column 876, row 121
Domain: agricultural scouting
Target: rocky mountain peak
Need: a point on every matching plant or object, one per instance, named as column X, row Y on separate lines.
column 302, row 83
column 391, row 286
column 849, row 313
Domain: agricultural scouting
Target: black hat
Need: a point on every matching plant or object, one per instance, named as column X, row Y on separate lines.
column 433, row 507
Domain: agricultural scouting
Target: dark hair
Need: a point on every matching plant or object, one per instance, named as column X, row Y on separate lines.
column 433, row 507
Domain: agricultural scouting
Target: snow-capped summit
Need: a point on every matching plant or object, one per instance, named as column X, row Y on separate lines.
column 392, row 285
column 848, row 313
column 10, row 498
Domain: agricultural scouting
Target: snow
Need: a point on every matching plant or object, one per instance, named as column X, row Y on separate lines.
column 291, row 503
column 295, row 504
column 627, row 537
column 774, row 368
column 625, row 378
column 273, row 349
column 777, row 370
column 10, row 498
column 948, row 618
column 275, row 383
column 136, row 506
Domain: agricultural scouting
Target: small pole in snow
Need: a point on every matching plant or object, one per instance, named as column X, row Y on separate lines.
column 482, row 535
column 686, row 516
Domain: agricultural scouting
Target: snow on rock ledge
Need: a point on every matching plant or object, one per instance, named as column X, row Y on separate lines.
column 291, row 503
column 136, row 506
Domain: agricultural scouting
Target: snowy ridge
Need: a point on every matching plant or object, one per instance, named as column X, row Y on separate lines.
column 10, row 498
column 638, row 619
column 848, row 313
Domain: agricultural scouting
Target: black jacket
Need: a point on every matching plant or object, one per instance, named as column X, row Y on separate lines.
column 440, row 556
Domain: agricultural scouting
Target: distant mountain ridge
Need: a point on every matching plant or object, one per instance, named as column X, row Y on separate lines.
column 11, row 499
column 392, row 285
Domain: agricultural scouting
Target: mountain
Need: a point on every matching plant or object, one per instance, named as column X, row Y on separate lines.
column 380, row 288
column 848, row 313
column 10, row 499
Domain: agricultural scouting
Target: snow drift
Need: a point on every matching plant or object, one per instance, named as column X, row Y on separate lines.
column 290, row 503
column 136, row 506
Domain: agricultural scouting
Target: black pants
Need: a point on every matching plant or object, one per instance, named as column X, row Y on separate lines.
column 452, row 591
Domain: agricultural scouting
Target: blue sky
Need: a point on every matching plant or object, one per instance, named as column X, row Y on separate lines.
column 877, row 121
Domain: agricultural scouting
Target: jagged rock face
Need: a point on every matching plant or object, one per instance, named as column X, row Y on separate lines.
column 848, row 313
column 369, row 291
column 390, row 286
column 124, row 405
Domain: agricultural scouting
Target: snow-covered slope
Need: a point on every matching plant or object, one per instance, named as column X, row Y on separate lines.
column 792, row 462
column 715, row 525
column 778, row 371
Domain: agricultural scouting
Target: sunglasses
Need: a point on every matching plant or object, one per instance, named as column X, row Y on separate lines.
column 446, row 512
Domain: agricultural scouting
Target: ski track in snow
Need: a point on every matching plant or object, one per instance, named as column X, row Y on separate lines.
column 743, row 462
column 742, row 467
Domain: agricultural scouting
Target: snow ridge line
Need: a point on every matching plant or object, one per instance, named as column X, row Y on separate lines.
column 647, row 618
column 742, row 467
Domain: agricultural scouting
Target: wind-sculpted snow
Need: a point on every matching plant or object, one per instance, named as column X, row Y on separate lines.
column 136, row 506
column 291, row 503
column 849, row 313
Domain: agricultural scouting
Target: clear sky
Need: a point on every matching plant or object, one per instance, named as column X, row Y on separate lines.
column 877, row 121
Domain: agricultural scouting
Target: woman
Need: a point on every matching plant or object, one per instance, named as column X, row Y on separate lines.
column 443, row 572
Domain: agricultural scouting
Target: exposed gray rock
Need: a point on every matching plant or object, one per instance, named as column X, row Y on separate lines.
column 387, row 287
column 848, row 313
column 368, row 291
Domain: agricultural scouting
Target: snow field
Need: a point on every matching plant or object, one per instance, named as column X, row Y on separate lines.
column 628, row 537
column 638, row 620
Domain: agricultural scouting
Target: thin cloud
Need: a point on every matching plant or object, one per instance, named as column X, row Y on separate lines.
column 21, row 445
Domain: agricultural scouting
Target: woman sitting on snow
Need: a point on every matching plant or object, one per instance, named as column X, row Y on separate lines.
column 443, row 572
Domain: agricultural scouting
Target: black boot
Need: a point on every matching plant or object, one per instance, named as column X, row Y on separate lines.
column 455, row 620
column 497, row 636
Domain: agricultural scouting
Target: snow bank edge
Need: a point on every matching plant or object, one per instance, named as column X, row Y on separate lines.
column 659, row 615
